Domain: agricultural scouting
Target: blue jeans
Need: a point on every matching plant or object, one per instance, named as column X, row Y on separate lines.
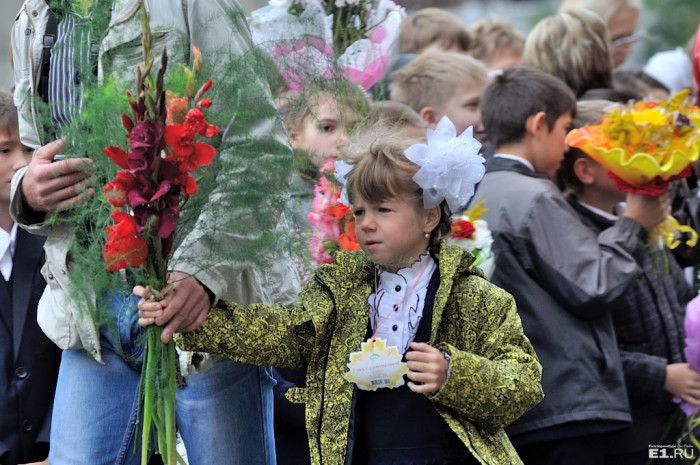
column 224, row 414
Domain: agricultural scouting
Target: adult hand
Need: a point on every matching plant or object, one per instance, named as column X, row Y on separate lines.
column 48, row 186
column 646, row 210
column 427, row 368
column 184, row 308
column 684, row 382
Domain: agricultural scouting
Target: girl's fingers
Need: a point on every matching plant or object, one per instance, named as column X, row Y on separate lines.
column 146, row 321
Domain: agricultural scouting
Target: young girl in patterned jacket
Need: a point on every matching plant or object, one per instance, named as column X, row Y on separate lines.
column 412, row 356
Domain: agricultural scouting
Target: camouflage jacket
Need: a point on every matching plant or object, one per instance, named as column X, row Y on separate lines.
column 494, row 374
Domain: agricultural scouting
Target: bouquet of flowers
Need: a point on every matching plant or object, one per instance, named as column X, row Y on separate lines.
column 646, row 146
column 147, row 193
column 472, row 233
column 695, row 59
column 311, row 39
column 332, row 223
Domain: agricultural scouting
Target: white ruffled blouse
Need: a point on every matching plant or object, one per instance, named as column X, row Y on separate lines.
column 396, row 306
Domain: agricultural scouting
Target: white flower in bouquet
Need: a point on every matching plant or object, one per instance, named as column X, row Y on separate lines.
column 473, row 233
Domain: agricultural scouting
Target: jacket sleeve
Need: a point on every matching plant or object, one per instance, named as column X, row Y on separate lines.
column 263, row 334
column 26, row 70
column 582, row 271
column 647, row 373
column 494, row 377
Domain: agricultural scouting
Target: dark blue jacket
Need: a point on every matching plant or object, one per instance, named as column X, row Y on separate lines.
column 29, row 360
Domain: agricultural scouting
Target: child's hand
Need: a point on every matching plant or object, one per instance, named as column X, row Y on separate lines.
column 183, row 309
column 148, row 310
column 646, row 210
column 684, row 382
column 427, row 368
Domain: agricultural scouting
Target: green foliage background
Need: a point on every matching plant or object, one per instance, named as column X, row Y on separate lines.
column 671, row 23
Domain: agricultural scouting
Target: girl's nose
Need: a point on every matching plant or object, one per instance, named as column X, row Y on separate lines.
column 367, row 222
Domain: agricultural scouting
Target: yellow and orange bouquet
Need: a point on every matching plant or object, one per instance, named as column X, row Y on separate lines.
column 645, row 146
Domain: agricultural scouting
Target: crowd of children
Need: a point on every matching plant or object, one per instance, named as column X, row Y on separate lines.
column 403, row 352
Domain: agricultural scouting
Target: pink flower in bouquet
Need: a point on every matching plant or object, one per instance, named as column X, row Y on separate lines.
column 332, row 223
column 692, row 346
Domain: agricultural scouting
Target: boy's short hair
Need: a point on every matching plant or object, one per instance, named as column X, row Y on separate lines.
column 493, row 34
column 517, row 94
column 8, row 113
column 606, row 9
column 429, row 26
column 430, row 79
column 396, row 115
column 573, row 46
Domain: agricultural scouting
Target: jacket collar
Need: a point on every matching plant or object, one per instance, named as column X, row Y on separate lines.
column 507, row 164
column 358, row 274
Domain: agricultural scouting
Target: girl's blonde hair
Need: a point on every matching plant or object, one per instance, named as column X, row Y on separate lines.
column 381, row 172
column 573, row 46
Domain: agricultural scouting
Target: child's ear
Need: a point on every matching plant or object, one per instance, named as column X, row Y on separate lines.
column 536, row 125
column 432, row 219
column 293, row 138
column 429, row 115
column 583, row 171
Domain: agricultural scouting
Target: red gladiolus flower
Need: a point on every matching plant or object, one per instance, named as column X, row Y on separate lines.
column 167, row 220
column 189, row 154
column 127, row 122
column 118, row 156
column 124, row 247
column 117, row 190
column 462, row 229
column 145, row 140
column 195, row 119
column 339, row 211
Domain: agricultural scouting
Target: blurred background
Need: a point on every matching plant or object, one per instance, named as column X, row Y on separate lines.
column 665, row 24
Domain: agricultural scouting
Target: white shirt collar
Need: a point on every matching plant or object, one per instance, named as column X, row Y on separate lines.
column 7, row 250
column 516, row 158
column 599, row 212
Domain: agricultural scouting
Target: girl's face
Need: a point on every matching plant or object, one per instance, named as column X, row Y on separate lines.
column 324, row 131
column 393, row 233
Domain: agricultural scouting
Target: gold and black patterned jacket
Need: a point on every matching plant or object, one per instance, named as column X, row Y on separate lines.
column 494, row 374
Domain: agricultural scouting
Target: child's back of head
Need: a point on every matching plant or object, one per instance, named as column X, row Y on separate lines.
column 573, row 46
column 396, row 117
column 495, row 42
column 430, row 27
column 517, row 94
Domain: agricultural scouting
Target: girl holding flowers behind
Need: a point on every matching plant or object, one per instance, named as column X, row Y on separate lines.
column 406, row 304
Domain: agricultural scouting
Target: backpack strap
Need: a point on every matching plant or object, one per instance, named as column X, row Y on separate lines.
column 48, row 40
